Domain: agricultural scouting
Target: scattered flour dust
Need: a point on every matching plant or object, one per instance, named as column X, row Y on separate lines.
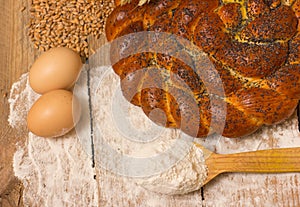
column 55, row 172
column 58, row 172
column 127, row 129
column 186, row 176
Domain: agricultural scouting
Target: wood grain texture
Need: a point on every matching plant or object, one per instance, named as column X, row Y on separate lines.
column 16, row 55
column 233, row 189
column 240, row 189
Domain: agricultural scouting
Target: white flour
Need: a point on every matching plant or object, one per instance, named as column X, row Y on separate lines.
column 186, row 176
column 62, row 169
column 114, row 116
column 58, row 172
column 20, row 100
column 54, row 172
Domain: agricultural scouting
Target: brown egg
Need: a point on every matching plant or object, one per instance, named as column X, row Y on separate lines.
column 54, row 114
column 58, row 68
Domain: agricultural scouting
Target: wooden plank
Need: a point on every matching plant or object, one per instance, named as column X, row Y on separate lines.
column 240, row 189
column 15, row 57
column 115, row 189
column 5, row 146
column 119, row 191
column 55, row 172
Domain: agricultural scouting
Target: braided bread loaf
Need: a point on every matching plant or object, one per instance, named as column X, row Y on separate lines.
column 253, row 46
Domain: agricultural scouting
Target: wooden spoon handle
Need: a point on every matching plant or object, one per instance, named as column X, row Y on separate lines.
column 263, row 161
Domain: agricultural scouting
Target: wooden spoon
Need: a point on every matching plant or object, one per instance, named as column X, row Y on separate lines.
column 262, row 161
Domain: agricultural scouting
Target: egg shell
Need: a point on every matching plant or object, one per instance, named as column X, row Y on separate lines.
column 54, row 114
column 58, row 68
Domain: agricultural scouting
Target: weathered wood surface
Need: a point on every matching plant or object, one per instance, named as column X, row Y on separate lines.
column 76, row 173
column 16, row 54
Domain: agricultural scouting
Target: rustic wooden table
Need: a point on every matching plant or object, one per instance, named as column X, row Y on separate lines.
column 16, row 56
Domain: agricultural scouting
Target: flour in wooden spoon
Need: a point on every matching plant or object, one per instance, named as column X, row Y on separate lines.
column 187, row 174
column 49, row 166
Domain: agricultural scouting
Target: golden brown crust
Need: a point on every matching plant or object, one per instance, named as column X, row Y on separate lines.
column 252, row 60
column 117, row 2
column 256, row 8
column 120, row 18
column 286, row 81
column 296, row 9
column 267, row 106
column 294, row 50
column 237, row 122
column 278, row 24
column 231, row 15
column 253, row 71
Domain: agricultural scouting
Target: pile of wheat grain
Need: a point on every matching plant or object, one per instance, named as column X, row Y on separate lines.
column 67, row 23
